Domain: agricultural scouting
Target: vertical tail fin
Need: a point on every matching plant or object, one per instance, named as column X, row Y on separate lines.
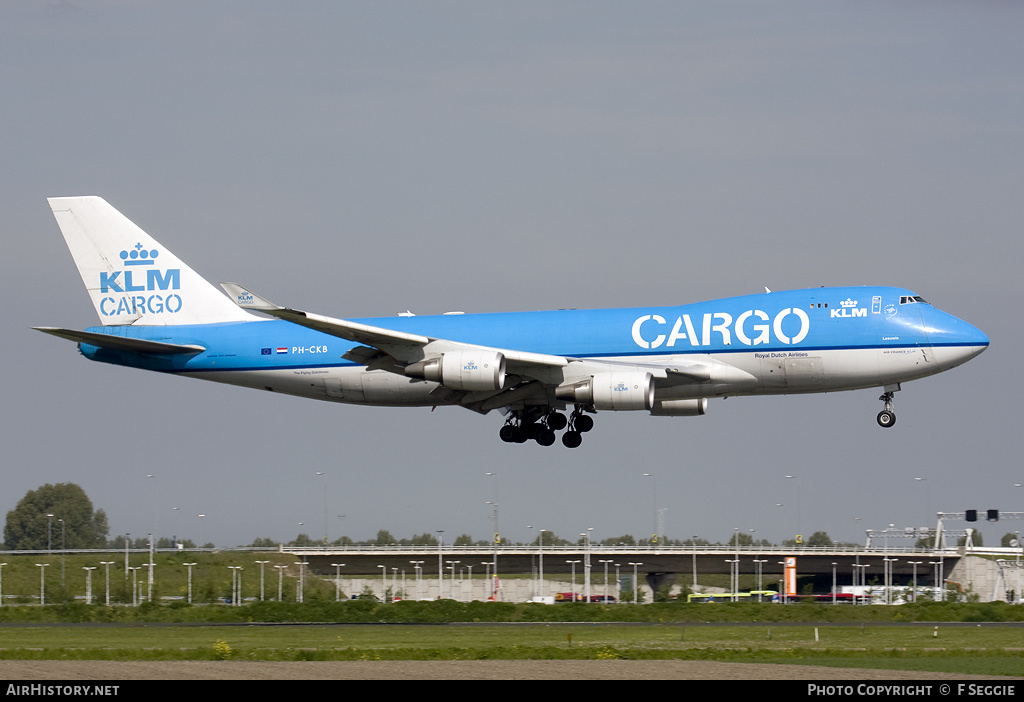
column 130, row 277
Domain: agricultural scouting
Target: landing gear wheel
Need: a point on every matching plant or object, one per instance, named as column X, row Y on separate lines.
column 556, row 421
column 579, row 422
column 571, row 439
column 887, row 417
column 545, row 437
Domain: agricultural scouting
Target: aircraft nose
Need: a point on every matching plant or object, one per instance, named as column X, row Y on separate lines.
column 968, row 335
column 962, row 341
column 977, row 337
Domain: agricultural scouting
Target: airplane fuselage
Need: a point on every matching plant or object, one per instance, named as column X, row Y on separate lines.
column 815, row 340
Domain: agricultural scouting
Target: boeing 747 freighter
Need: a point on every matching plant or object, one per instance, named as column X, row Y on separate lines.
column 547, row 371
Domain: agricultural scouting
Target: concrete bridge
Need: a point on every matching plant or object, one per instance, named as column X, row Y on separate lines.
column 992, row 573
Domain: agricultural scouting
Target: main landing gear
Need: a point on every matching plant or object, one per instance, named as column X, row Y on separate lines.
column 887, row 417
column 540, row 425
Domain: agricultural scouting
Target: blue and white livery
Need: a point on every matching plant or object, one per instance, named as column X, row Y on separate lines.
column 548, row 371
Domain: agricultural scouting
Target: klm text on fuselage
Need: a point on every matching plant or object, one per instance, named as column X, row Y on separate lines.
column 751, row 328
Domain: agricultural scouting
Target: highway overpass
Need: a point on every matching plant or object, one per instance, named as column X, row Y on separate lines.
column 658, row 565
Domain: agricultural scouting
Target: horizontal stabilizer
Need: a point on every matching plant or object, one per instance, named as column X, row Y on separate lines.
column 122, row 343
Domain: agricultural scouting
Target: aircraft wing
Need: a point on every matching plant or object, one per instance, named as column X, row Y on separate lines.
column 401, row 347
column 530, row 377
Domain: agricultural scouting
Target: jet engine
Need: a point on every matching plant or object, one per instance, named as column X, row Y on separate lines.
column 625, row 390
column 463, row 370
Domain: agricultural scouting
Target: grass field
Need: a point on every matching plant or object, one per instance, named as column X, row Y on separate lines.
column 989, row 650
column 859, row 637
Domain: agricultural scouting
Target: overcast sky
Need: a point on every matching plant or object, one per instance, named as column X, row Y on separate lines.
column 364, row 158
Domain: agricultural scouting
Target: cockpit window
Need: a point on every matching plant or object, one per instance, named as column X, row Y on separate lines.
column 909, row 299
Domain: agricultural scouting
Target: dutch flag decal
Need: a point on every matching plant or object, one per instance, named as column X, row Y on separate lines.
column 282, row 349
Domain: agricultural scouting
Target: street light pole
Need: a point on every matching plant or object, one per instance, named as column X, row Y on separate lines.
column 418, row 565
column 302, row 578
column 572, row 592
column 63, row 549
column 540, row 563
column 606, row 562
column 760, row 567
column 586, row 565
column 280, row 580
column 135, row 585
column 187, row 565
column 236, row 584
column 440, row 561
column 497, row 540
column 337, row 581
column 262, row 564
column 106, row 567
column 636, row 584
column 694, row 542
column 42, row 582
column 734, row 564
column 915, row 564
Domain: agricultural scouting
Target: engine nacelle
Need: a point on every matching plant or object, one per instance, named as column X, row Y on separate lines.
column 680, row 408
column 463, row 370
column 619, row 390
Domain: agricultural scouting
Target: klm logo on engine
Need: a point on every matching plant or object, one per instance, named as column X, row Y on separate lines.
column 140, row 288
column 751, row 328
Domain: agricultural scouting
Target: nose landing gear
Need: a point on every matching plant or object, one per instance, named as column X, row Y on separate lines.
column 887, row 417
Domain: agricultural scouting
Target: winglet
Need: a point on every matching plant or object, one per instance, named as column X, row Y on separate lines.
column 248, row 300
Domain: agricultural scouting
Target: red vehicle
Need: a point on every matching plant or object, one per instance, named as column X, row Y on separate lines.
column 577, row 597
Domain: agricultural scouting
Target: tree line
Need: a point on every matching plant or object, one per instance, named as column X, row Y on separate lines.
column 62, row 517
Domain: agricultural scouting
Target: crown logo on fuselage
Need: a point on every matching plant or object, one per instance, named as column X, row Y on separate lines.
column 849, row 308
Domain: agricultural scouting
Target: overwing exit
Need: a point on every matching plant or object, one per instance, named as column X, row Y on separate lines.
column 547, row 371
